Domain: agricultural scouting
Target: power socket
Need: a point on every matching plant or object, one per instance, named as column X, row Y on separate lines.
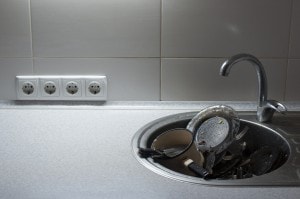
column 96, row 87
column 49, row 87
column 27, row 87
column 72, row 87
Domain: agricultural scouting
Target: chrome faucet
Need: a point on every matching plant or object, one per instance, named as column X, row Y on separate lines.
column 265, row 108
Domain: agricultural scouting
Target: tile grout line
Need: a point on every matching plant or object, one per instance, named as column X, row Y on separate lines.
column 286, row 79
column 96, row 57
column 289, row 48
column 160, row 41
column 31, row 35
column 224, row 57
column 140, row 58
column 290, row 29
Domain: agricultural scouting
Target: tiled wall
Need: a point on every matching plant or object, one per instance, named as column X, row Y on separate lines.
column 154, row 49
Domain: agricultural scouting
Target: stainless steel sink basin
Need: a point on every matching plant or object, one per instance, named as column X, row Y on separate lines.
column 282, row 133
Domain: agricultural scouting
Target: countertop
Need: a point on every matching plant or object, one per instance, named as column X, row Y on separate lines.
column 84, row 151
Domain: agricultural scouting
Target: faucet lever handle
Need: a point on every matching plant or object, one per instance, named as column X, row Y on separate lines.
column 266, row 111
column 277, row 106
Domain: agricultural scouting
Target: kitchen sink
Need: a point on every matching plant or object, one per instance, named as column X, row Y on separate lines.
column 281, row 135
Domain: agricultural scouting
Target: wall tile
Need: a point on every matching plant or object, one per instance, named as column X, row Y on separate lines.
column 128, row 78
column 293, row 81
column 93, row 28
column 295, row 31
column 10, row 68
column 199, row 79
column 200, row 28
column 15, row 36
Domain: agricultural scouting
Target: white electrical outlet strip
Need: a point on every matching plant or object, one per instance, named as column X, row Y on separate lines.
column 79, row 88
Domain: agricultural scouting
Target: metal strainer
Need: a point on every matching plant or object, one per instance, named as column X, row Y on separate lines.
column 214, row 129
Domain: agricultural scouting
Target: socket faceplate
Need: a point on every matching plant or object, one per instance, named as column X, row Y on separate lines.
column 74, row 88
column 27, row 88
column 96, row 87
column 49, row 87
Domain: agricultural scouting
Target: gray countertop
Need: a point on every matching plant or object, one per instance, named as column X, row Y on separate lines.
column 84, row 151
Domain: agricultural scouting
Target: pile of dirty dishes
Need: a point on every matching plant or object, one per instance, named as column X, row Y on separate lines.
column 211, row 147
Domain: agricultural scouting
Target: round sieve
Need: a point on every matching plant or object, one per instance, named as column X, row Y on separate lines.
column 214, row 128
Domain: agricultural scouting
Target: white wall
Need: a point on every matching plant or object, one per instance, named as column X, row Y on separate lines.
column 154, row 49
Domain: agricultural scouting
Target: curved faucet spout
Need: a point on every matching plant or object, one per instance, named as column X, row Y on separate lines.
column 266, row 107
column 261, row 74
